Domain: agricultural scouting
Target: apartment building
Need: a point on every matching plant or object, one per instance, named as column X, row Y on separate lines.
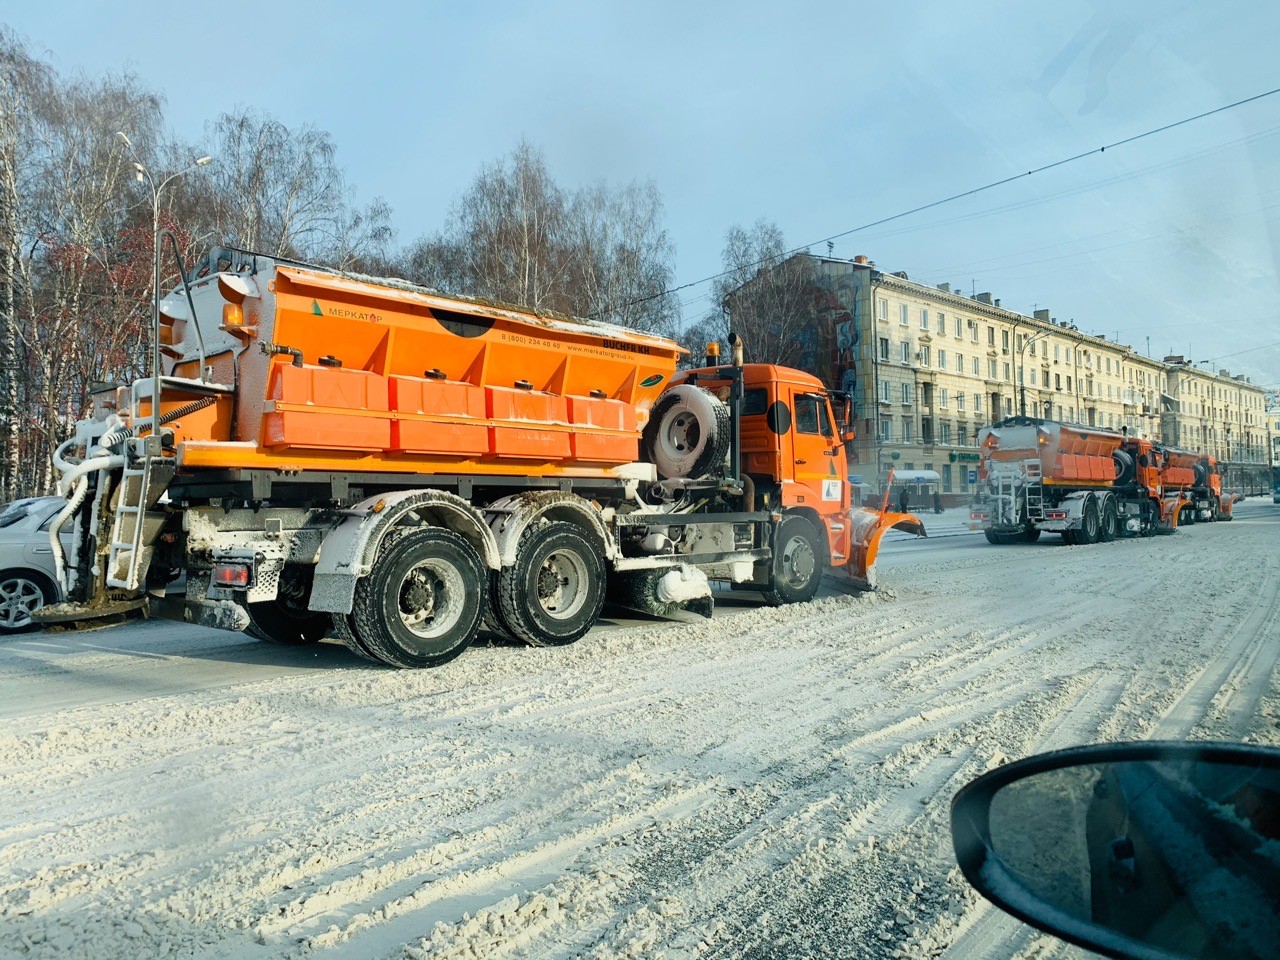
column 1220, row 414
column 927, row 366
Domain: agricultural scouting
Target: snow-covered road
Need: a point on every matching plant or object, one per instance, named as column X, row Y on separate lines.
column 772, row 783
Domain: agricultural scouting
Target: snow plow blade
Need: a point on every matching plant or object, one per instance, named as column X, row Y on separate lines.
column 866, row 529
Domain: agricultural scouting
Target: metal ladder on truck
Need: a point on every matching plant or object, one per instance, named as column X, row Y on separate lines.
column 1035, row 490
column 134, row 526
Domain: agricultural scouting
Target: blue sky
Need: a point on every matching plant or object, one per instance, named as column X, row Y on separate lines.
column 817, row 116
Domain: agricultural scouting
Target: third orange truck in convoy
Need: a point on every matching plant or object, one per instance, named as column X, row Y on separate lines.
column 1088, row 484
column 320, row 452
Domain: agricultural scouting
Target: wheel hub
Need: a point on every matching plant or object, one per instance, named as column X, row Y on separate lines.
column 19, row 598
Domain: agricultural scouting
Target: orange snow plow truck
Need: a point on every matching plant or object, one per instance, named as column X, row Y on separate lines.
column 1088, row 484
column 322, row 453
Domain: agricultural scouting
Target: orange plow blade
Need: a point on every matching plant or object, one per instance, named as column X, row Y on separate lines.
column 866, row 529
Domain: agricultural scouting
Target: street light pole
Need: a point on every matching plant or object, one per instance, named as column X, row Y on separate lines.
column 143, row 175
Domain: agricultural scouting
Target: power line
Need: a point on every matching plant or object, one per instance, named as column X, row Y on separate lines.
column 1265, row 346
column 960, row 196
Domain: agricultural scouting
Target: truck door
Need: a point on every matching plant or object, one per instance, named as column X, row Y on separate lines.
column 819, row 477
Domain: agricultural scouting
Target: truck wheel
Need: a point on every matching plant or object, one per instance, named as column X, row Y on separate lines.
column 797, row 562
column 1090, row 524
column 421, row 605
column 1030, row 534
column 997, row 539
column 687, row 434
column 552, row 594
column 279, row 621
column 1110, row 528
column 1187, row 516
column 344, row 629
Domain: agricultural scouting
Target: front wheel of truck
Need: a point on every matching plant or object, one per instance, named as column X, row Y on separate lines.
column 797, row 563
column 422, row 603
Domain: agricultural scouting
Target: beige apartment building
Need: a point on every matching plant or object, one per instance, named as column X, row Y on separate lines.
column 1220, row 414
column 927, row 366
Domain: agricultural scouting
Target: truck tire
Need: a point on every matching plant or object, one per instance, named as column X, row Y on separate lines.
column 996, row 539
column 1029, row 535
column 552, row 595
column 279, row 621
column 422, row 603
column 345, row 630
column 1110, row 528
column 1187, row 516
column 796, row 567
column 687, row 434
column 1090, row 524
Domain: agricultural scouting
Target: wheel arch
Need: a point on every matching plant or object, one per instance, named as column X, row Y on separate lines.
column 348, row 551
column 509, row 517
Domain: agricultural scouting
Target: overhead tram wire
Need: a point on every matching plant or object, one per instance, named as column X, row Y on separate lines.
column 959, row 196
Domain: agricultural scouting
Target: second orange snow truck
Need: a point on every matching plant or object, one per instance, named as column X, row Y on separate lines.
column 1087, row 484
column 321, row 452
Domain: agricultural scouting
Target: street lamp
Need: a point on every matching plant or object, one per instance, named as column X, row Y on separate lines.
column 143, row 175
column 1022, row 370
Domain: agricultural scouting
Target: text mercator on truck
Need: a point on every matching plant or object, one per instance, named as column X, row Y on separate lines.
column 331, row 452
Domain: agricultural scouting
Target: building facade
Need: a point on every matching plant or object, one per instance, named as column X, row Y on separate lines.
column 927, row 366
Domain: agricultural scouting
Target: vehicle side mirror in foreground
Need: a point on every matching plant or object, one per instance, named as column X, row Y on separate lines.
column 1146, row 850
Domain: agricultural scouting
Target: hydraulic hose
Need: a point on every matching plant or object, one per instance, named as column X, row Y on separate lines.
column 79, row 475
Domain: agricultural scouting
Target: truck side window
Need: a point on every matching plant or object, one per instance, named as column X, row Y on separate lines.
column 811, row 415
column 755, row 402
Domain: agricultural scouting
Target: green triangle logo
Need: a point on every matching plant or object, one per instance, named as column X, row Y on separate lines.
column 315, row 308
column 831, row 467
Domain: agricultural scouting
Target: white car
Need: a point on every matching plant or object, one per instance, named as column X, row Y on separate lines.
column 26, row 561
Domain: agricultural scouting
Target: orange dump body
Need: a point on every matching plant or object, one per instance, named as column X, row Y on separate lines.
column 329, row 372
column 1179, row 471
column 1067, row 454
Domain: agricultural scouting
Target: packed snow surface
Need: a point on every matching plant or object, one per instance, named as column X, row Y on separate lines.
column 771, row 783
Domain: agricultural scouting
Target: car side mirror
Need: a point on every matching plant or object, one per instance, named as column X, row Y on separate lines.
column 1143, row 850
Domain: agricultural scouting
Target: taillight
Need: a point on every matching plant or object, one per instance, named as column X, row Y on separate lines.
column 232, row 575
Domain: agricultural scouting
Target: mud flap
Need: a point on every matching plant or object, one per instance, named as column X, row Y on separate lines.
column 866, row 529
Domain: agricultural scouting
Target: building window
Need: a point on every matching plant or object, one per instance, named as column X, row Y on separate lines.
column 924, row 356
column 886, row 395
column 1004, row 339
column 942, row 359
column 977, row 404
column 884, row 348
column 906, row 433
column 942, row 398
column 882, row 309
column 903, row 314
column 977, row 369
column 1044, row 350
column 973, row 330
column 942, row 323
column 1006, row 372
column 959, row 327
column 924, row 319
column 960, row 402
column 1057, row 352
column 886, row 430
column 906, row 352
column 1057, row 382
column 1033, row 377
column 991, row 336
column 991, row 369
column 906, row 394
column 944, row 434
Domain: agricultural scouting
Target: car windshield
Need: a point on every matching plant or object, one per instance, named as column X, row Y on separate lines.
column 11, row 513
